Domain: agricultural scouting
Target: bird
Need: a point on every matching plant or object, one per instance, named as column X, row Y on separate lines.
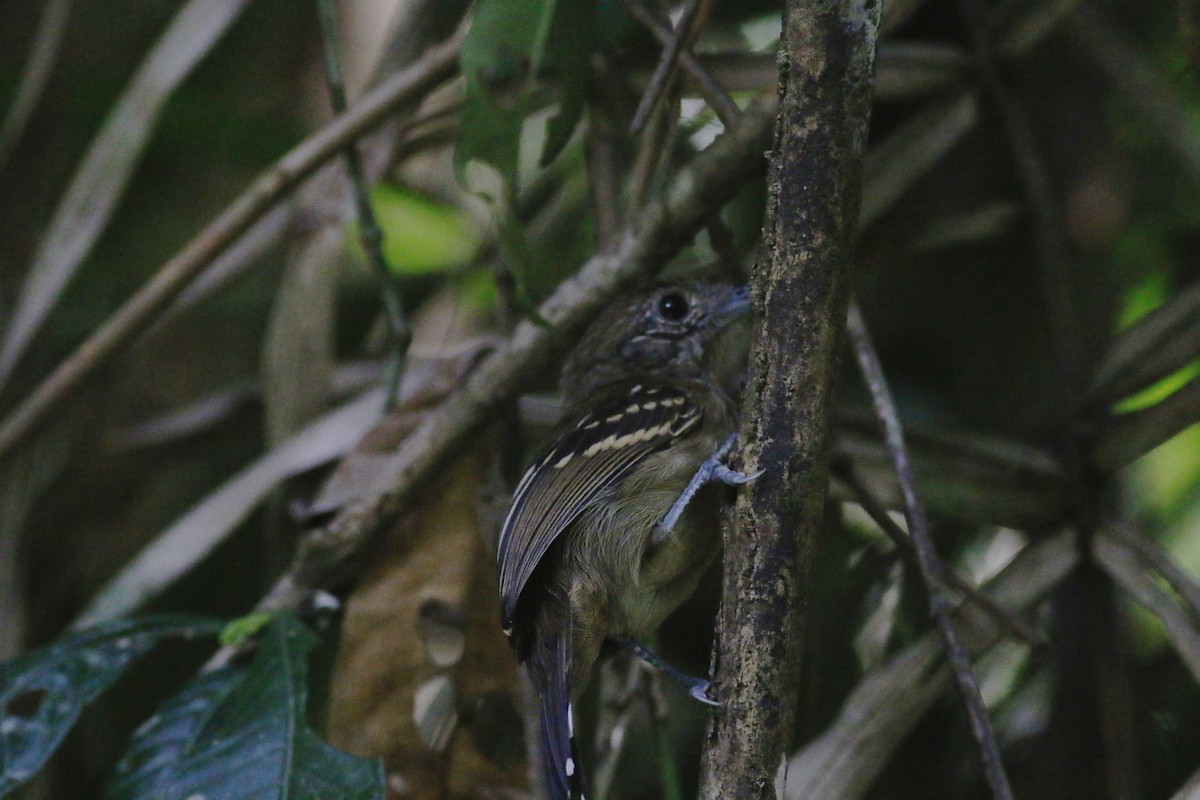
column 617, row 518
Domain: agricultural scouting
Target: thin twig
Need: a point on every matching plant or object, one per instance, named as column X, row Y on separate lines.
column 663, row 76
column 43, row 52
column 115, row 334
column 369, row 232
column 931, row 568
column 620, row 678
column 603, row 171
column 844, row 471
column 710, row 89
column 652, row 155
column 721, row 239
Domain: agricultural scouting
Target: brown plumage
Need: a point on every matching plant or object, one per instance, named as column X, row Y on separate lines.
column 649, row 396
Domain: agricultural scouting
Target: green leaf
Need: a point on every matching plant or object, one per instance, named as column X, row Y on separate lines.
column 566, row 55
column 420, row 236
column 43, row 692
column 518, row 55
column 241, row 734
column 241, row 630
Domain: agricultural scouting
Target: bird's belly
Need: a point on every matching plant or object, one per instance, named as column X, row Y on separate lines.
column 633, row 583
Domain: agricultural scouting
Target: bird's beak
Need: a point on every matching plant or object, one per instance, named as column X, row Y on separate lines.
column 737, row 304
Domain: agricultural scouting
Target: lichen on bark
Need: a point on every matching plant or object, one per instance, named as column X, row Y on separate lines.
column 800, row 290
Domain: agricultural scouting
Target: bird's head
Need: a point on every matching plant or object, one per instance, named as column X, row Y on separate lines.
column 672, row 331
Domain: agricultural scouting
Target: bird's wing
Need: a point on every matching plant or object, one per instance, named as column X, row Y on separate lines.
column 584, row 462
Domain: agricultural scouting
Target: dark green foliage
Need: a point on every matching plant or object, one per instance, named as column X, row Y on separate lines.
column 42, row 693
column 519, row 55
column 241, row 733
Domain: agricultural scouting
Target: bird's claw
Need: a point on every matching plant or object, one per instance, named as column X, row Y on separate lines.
column 731, row 477
column 699, row 691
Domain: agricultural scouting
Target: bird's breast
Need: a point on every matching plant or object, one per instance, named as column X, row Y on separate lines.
column 617, row 573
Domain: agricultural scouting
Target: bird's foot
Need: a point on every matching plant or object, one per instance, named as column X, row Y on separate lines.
column 714, row 468
column 697, row 688
column 699, row 691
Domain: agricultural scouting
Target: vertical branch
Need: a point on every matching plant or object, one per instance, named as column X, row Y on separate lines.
column 800, row 290
column 930, row 566
column 369, row 232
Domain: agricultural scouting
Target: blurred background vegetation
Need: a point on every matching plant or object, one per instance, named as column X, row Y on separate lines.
column 995, row 342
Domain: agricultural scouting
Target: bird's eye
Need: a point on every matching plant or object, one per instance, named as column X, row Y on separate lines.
column 673, row 306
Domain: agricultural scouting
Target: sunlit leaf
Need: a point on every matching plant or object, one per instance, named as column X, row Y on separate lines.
column 1157, row 392
column 421, row 236
column 1165, row 480
column 1156, row 352
column 1127, row 437
column 241, row 630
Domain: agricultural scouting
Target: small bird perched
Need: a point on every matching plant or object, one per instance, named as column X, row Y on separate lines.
column 612, row 526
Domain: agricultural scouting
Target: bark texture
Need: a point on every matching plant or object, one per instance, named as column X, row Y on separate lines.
column 800, row 290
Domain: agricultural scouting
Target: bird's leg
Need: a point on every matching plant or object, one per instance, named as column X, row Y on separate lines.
column 696, row 687
column 713, row 469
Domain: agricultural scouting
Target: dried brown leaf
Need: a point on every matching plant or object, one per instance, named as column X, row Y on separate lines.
column 445, row 726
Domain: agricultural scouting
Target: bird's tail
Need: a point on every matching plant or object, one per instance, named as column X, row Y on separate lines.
column 560, row 758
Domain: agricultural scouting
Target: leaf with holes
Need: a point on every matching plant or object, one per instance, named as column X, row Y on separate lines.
column 241, row 734
column 43, row 692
